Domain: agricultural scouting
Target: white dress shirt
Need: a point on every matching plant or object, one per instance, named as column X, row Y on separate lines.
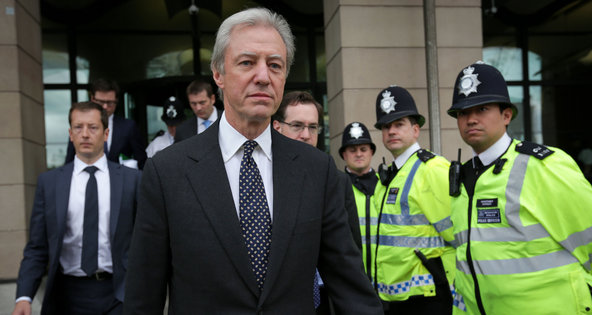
column 110, row 137
column 496, row 150
column 401, row 159
column 159, row 143
column 231, row 145
column 70, row 255
column 200, row 122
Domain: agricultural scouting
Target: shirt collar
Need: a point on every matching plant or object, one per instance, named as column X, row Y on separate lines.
column 401, row 159
column 212, row 118
column 231, row 140
column 496, row 150
column 101, row 164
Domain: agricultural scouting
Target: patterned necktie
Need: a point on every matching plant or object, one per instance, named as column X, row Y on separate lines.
column 206, row 123
column 316, row 290
column 255, row 219
column 90, row 233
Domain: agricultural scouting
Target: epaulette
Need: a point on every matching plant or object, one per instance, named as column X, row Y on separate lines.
column 424, row 155
column 539, row 151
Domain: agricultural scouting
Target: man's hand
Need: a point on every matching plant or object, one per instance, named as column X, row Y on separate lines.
column 22, row 308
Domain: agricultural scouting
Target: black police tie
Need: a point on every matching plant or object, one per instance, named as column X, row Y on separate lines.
column 255, row 219
column 90, row 233
column 477, row 163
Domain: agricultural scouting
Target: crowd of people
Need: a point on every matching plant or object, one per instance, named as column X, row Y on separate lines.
column 238, row 212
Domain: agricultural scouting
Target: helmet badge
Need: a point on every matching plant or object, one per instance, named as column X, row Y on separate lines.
column 387, row 104
column 171, row 112
column 469, row 82
column 356, row 131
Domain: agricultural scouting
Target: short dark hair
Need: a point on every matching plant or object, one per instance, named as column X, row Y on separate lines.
column 103, row 85
column 87, row 106
column 196, row 86
column 293, row 98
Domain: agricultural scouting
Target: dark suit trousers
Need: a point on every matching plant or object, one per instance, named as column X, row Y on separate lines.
column 85, row 296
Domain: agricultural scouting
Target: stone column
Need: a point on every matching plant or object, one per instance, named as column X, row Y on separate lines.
column 371, row 44
column 22, row 126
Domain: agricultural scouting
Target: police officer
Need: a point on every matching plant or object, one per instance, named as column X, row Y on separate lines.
column 357, row 150
column 172, row 115
column 413, row 224
column 521, row 213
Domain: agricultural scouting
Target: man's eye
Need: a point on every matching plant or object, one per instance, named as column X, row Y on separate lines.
column 276, row 66
column 245, row 63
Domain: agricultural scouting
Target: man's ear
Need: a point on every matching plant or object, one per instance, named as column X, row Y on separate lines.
column 218, row 78
column 277, row 126
column 507, row 115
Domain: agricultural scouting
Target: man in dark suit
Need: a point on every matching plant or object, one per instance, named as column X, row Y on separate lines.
column 81, row 226
column 298, row 118
column 204, row 228
column 125, row 141
column 201, row 100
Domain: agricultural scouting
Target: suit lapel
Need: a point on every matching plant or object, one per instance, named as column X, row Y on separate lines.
column 115, row 138
column 208, row 179
column 116, row 183
column 285, row 205
column 62, row 192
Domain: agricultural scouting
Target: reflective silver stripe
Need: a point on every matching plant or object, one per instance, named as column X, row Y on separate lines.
column 451, row 243
column 443, row 224
column 587, row 263
column 514, row 189
column 509, row 234
column 407, row 188
column 503, row 234
column 516, row 232
column 518, row 265
column 373, row 221
column 460, row 237
column 413, row 242
column 402, row 219
column 577, row 239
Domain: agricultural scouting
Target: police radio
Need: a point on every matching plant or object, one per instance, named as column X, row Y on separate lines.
column 454, row 177
column 385, row 173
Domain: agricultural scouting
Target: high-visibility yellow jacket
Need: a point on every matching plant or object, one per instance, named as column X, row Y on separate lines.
column 368, row 216
column 524, row 236
column 414, row 213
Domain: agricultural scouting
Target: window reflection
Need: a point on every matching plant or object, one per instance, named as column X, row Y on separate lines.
column 57, row 105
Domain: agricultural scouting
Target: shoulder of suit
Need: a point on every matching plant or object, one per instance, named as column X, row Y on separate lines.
column 425, row 155
column 539, row 151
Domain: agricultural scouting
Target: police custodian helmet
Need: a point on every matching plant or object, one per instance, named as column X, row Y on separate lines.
column 480, row 84
column 172, row 112
column 395, row 103
column 353, row 134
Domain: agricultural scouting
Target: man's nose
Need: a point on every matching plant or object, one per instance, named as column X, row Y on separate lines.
column 262, row 75
column 305, row 133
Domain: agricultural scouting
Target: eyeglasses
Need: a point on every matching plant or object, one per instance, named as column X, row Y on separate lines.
column 298, row 127
column 109, row 103
column 92, row 129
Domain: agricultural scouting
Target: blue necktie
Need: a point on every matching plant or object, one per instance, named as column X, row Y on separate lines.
column 206, row 123
column 255, row 219
column 90, row 233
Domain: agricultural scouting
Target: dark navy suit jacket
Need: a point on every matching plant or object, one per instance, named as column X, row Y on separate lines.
column 48, row 224
column 188, row 239
column 126, row 139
